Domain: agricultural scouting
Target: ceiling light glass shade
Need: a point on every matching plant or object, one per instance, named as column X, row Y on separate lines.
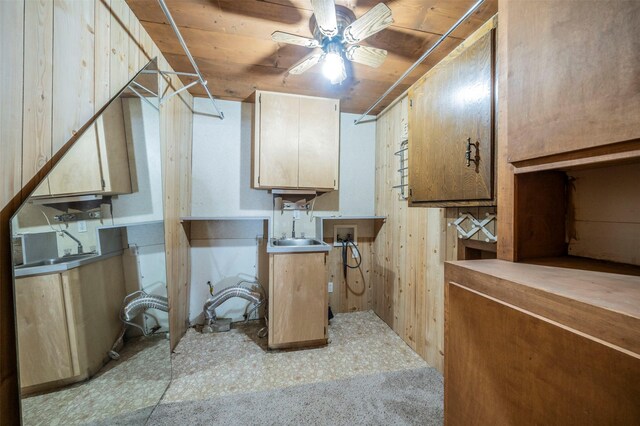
column 333, row 68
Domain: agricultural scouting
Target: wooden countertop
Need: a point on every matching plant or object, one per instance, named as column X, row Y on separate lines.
column 603, row 305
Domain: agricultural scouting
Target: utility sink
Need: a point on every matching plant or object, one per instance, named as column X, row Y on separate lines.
column 296, row 242
column 56, row 261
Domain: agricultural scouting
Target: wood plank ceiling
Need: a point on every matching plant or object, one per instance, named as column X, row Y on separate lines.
column 231, row 42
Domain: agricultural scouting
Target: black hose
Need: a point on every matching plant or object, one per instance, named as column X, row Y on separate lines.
column 345, row 257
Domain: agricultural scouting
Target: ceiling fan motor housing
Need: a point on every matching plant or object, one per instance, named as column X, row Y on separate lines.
column 344, row 18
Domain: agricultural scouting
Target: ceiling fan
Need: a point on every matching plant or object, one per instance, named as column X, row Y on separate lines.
column 337, row 31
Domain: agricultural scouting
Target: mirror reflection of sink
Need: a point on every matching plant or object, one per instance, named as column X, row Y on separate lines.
column 292, row 242
column 56, row 261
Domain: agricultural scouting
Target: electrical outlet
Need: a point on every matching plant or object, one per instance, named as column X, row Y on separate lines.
column 354, row 254
column 330, row 287
column 82, row 226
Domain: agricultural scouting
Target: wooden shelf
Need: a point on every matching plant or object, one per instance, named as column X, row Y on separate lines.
column 605, row 305
column 221, row 218
column 352, row 217
column 586, row 264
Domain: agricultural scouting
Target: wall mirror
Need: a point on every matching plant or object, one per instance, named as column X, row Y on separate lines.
column 90, row 273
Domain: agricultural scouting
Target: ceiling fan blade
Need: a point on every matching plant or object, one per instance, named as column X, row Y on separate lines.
column 376, row 19
column 325, row 12
column 366, row 55
column 281, row 37
column 306, row 63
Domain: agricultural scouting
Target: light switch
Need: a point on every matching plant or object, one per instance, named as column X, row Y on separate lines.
column 82, row 226
column 330, row 287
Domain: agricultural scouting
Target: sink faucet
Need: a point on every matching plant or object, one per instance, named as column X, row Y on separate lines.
column 64, row 231
column 293, row 229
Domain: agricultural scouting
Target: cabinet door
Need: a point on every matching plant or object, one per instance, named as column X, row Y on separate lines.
column 452, row 105
column 319, row 143
column 112, row 144
column 571, row 88
column 45, row 350
column 278, row 140
column 96, row 291
column 298, row 305
column 43, row 189
column 508, row 366
column 78, row 172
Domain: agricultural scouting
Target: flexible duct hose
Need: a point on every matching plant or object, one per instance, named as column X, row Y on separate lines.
column 143, row 302
column 132, row 306
column 229, row 293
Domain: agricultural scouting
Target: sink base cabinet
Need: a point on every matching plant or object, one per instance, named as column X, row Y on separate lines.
column 298, row 300
column 66, row 323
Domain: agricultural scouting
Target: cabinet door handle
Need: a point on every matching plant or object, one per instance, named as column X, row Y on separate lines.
column 467, row 153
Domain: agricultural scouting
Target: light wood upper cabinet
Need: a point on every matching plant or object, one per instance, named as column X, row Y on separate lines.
column 278, row 129
column 298, row 300
column 97, row 163
column 573, row 84
column 319, row 143
column 296, row 142
column 450, row 119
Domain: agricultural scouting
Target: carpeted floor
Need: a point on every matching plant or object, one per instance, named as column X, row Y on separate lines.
column 367, row 375
column 406, row 397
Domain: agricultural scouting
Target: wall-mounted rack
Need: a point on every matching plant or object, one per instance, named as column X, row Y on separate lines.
column 403, row 169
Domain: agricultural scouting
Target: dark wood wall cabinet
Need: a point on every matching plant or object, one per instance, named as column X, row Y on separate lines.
column 573, row 91
column 451, row 122
column 550, row 332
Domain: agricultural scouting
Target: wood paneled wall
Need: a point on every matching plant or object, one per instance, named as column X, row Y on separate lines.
column 604, row 215
column 61, row 61
column 410, row 250
column 355, row 292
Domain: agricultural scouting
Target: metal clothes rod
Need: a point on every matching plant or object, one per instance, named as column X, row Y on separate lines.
column 201, row 80
column 422, row 58
column 143, row 98
column 151, row 92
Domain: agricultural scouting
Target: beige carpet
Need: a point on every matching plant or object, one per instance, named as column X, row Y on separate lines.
column 406, row 397
column 366, row 375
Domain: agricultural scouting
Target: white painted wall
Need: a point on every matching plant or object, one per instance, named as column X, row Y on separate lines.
column 221, row 173
column 142, row 126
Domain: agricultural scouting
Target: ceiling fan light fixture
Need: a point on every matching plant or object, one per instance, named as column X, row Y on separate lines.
column 333, row 66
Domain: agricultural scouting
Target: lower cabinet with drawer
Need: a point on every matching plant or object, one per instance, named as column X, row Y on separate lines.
column 298, row 300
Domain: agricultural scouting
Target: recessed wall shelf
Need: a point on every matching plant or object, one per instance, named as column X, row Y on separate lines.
column 226, row 227
column 369, row 225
